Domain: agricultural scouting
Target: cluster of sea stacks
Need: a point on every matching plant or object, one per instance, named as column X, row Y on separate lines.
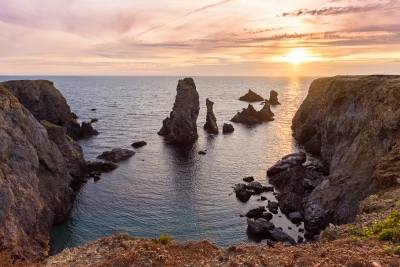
column 180, row 126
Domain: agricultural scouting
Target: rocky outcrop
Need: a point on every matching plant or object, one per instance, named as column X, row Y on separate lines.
column 34, row 182
column 71, row 151
column 211, row 122
column 116, row 155
column 273, row 98
column 250, row 116
column 180, row 126
column 227, row 128
column 353, row 122
column 45, row 102
column 250, row 96
column 387, row 172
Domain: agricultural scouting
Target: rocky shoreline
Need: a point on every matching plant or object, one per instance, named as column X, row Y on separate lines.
column 350, row 123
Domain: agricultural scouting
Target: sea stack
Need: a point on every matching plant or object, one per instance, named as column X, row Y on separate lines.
column 265, row 113
column 251, row 97
column 180, row 127
column 211, row 122
column 273, row 98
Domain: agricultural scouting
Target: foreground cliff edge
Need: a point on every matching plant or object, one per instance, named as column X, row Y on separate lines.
column 352, row 122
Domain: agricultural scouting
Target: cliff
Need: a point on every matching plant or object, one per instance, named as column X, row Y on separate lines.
column 352, row 123
column 34, row 182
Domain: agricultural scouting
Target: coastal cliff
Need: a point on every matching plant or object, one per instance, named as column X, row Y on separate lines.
column 353, row 124
column 34, row 182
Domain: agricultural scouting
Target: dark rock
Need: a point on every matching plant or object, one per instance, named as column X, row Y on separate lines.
column 301, row 230
column 34, row 179
column 357, row 119
column 300, row 239
column 250, row 96
column 265, row 114
column 87, row 130
column 260, row 227
column 250, row 116
column 227, row 128
column 273, row 98
column 94, row 120
column 93, row 109
column 116, row 155
column 243, row 195
column 295, row 217
column 308, row 235
column 181, row 126
column 256, row 186
column 315, row 238
column 286, row 162
column 313, row 146
column 96, row 178
column 271, row 243
column 211, row 122
column 290, row 228
column 255, row 213
column 273, row 206
column 100, row 166
column 268, row 216
column 263, row 198
column 281, row 236
column 268, row 188
column 202, row 153
column 139, row 144
column 248, row 179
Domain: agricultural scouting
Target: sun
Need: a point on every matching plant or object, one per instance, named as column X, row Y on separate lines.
column 297, row 56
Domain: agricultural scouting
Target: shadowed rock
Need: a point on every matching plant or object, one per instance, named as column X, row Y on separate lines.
column 250, row 96
column 250, row 116
column 227, row 128
column 181, row 126
column 260, row 227
column 211, row 122
column 139, row 144
column 99, row 166
column 273, row 98
column 116, row 155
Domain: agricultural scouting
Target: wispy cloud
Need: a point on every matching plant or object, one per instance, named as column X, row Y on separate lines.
column 336, row 10
column 187, row 14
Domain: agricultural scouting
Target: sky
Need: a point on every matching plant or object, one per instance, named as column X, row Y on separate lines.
column 200, row 38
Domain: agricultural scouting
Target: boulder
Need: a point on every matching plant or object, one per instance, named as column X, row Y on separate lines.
column 280, row 236
column 227, row 128
column 116, row 155
column 139, row 144
column 273, row 98
column 45, row 102
column 260, row 227
column 248, row 179
column 99, row 166
column 273, row 206
column 211, row 122
column 266, row 215
column 288, row 161
column 87, row 130
column 256, row 186
column 181, row 126
column 242, row 193
column 356, row 123
column 295, row 217
column 34, row 181
column 255, row 213
column 250, row 96
column 202, row 152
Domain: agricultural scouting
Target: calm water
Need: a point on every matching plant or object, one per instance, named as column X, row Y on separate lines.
column 169, row 189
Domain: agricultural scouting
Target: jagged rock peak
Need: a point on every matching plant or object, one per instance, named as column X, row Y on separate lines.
column 250, row 116
column 251, row 96
column 211, row 122
column 180, row 126
column 273, row 98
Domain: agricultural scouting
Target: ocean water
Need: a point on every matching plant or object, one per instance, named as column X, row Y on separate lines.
column 172, row 189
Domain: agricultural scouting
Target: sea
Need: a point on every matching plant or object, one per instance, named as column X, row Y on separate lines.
column 169, row 189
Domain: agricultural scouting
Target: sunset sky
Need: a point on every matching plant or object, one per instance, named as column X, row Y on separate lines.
column 208, row 37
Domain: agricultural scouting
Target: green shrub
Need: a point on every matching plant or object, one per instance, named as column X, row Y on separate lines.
column 388, row 230
column 163, row 239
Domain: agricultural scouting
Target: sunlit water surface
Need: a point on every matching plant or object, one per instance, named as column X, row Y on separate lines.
column 169, row 189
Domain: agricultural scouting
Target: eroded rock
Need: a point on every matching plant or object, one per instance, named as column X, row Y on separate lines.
column 251, row 96
column 211, row 122
column 227, row 128
column 116, row 155
column 273, row 98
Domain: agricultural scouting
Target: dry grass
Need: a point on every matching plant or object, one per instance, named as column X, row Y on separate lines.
column 123, row 250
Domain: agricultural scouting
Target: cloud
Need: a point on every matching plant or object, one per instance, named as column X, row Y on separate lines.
column 335, row 10
column 187, row 14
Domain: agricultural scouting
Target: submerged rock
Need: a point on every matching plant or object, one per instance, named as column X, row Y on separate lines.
column 353, row 123
column 181, row 126
column 273, row 98
column 250, row 96
column 139, row 144
column 227, row 128
column 116, row 155
column 211, row 122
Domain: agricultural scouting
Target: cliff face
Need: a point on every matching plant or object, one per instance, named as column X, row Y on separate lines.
column 34, row 182
column 352, row 122
column 45, row 102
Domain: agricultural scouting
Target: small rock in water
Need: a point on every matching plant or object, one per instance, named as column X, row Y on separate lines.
column 272, row 206
column 255, row 213
column 273, row 98
column 94, row 120
column 93, row 109
column 268, row 216
column 260, row 226
column 300, row 239
column 139, row 144
column 256, row 186
column 268, row 188
column 251, row 96
column 248, row 179
column 202, row 153
column 295, row 217
column 263, row 198
column 227, row 128
column 116, row 154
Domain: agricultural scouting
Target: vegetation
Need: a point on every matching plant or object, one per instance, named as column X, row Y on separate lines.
column 163, row 239
column 388, row 230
